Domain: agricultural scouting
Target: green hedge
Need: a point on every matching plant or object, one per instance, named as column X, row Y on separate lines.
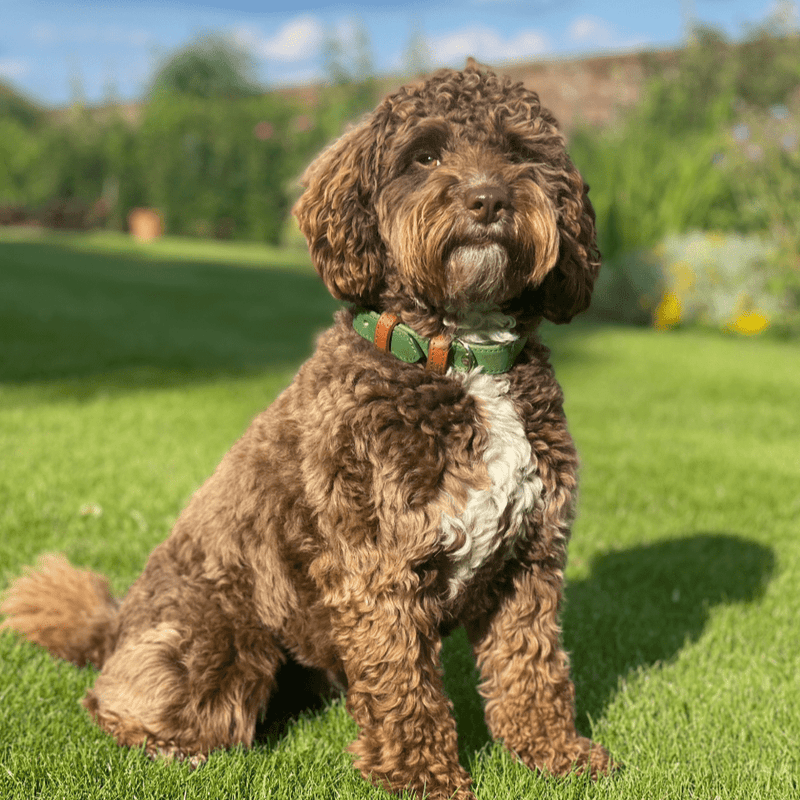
column 212, row 167
column 217, row 167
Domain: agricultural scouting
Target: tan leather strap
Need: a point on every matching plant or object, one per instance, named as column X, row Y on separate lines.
column 383, row 330
column 438, row 350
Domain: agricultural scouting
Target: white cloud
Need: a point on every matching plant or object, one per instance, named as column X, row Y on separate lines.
column 486, row 44
column 297, row 40
column 785, row 13
column 591, row 30
column 13, row 68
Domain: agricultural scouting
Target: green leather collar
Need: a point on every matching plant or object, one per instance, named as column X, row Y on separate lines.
column 409, row 346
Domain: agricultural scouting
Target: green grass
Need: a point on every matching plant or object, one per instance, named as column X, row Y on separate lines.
column 127, row 371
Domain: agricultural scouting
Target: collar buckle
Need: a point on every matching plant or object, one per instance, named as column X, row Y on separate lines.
column 467, row 359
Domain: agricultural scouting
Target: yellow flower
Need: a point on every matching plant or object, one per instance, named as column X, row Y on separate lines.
column 682, row 275
column 749, row 323
column 668, row 311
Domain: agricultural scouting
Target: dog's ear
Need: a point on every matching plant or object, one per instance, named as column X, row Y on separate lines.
column 567, row 288
column 336, row 215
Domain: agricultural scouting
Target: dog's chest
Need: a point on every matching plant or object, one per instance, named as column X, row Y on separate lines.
column 496, row 517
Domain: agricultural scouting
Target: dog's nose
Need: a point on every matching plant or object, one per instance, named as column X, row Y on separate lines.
column 486, row 203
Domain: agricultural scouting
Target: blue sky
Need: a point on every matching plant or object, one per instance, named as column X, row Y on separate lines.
column 111, row 47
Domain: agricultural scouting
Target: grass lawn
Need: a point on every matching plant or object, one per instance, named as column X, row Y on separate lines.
column 126, row 372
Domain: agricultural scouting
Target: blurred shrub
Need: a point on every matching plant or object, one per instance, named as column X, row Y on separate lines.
column 656, row 173
column 19, row 153
column 697, row 93
column 63, row 173
column 227, row 167
column 75, row 160
column 761, row 156
column 768, row 67
column 351, row 86
column 720, row 281
column 13, row 106
column 213, row 167
column 216, row 167
column 705, row 149
column 626, row 288
column 646, row 182
column 211, row 152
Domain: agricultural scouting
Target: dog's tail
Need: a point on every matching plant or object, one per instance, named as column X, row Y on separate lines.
column 69, row 611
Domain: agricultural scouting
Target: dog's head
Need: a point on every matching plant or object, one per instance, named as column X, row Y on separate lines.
column 453, row 191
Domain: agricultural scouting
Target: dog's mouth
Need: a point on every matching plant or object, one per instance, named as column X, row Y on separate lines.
column 476, row 272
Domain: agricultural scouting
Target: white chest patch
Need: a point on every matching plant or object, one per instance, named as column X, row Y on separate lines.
column 516, row 488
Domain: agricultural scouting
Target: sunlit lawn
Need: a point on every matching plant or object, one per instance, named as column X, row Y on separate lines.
column 126, row 371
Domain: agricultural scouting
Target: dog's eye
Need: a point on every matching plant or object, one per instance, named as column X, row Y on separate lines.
column 428, row 160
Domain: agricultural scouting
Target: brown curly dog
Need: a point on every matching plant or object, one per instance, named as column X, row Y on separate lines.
column 417, row 475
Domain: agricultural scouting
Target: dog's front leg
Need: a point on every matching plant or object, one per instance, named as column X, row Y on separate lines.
column 390, row 646
column 530, row 699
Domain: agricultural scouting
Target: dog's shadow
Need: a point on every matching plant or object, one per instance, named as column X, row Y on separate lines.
column 638, row 607
column 635, row 608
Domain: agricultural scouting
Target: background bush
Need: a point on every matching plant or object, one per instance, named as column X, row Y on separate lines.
column 705, row 150
column 217, row 168
column 213, row 153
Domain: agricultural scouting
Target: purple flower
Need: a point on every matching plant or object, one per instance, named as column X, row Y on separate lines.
column 741, row 132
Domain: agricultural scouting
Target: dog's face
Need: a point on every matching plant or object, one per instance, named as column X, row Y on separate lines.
column 461, row 214
column 454, row 192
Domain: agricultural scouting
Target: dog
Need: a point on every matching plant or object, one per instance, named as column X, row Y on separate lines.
column 416, row 476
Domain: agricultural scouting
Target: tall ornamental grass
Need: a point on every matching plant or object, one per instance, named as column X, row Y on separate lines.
column 703, row 159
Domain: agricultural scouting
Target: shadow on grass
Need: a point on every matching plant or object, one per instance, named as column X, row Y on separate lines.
column 637, row 607
column 640, row 606
column 118, row 320
column 103, row 321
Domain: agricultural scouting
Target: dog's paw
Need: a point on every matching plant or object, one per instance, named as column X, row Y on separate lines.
column 597, row 761
column 577, row 755
column 458, row 789
column 456, row 785
column 163, row 751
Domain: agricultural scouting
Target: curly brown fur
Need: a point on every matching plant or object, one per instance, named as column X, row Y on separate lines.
column 377, row 505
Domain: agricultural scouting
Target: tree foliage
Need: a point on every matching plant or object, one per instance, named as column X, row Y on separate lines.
column 350, row 71
column 17, row 107
column 212, row 66
column 417, row 56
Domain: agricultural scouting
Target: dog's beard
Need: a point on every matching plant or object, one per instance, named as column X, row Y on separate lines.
column 441, row 257
column 476, row 274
